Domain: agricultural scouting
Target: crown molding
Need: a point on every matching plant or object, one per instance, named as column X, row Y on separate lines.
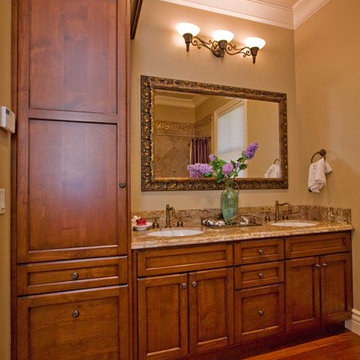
column 173, row 101
column 269, row 12
column 304, row 9
column 255, row 10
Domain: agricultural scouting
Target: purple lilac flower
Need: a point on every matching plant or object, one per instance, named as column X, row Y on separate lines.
column 198, row 170
column 211, row 157
column 228, row 168
column 250, row 151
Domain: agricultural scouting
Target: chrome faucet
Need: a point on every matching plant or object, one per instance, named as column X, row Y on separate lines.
column 169, row 211
column 277, row 209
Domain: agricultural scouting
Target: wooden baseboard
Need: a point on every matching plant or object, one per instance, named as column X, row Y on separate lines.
column 354, row 324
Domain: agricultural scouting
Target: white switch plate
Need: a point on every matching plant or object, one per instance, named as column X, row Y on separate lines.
column 7, row 119
column 2, row 201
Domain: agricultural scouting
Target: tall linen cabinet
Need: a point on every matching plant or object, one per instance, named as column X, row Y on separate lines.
column 70, row 229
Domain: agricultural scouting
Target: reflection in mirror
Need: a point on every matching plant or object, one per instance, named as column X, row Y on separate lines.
column 188, row 127
column 183, row 122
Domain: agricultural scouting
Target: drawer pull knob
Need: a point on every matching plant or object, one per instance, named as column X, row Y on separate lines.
column 194, row 284
column 75, row 314
column 261, row 252
column 261, row 313
column 325, row 265
column 318, row 266
column 75, row 276
column 261, row 275
column 122, row 185
column 184, row 285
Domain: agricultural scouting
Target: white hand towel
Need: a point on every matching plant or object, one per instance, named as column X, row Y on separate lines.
column 273, row 171
column 317, row 175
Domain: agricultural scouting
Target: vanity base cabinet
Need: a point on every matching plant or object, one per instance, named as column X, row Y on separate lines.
column 184, row 314
column 75, row 325
column 318, row 291
column 259, row 312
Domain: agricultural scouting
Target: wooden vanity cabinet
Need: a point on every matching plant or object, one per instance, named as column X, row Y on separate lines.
column 318, row 288
column 187, row 313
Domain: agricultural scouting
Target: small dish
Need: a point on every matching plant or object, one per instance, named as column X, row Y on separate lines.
column 142, row 227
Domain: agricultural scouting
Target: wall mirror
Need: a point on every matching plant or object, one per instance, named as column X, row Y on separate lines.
column 182, row 122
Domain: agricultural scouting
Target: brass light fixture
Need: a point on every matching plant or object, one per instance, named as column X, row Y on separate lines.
column 221, row 43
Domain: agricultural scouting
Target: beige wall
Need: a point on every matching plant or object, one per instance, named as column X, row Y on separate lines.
column 328, row 94
column 5, row 95
column 159, row 51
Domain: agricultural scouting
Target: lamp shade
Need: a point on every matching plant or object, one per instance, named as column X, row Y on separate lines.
column 187, row 28
column 255, row 42
column 219, row 35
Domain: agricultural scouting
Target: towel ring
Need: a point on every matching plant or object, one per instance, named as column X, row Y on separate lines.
column 321, row 152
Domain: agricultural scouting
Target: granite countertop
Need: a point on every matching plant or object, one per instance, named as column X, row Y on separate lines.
column 144, row 240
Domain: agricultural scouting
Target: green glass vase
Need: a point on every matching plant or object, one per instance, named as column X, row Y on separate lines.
column 229, row 203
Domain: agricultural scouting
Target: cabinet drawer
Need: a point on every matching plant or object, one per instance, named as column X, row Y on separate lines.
column 171, row 261
column 259, row 312
column 260, row 274
column 70, row 275
column 312, row 245
column 258, row 251
column 85, row 324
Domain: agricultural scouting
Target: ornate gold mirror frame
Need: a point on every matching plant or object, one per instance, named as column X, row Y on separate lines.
column 150, row 183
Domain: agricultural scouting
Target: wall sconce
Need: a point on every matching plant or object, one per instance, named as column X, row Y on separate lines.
column 221, row 42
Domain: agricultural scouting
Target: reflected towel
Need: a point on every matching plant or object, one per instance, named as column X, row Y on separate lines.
column 317, row 175
column 274, row 171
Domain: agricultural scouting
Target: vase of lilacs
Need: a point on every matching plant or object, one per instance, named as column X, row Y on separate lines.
column 225, row 172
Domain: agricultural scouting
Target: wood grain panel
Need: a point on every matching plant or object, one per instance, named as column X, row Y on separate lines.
column 73, row 55
column 163, row 317
column 211, row 310
column 258, row 251
column 73, row 192
column 49, row 329
column 259, row 312
column 336, row 287
column 319, row 244
column 302, row 294
column 70, row 275
column 170, row 261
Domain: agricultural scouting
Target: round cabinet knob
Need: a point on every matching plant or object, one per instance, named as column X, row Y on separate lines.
column 75, row 276
column 325, row 265
column 122, row 185
column 261, row 251
column 75, row 314
column 194, row 284
column 184, row 285
column 261, row 313
column 260, row 275
column 318, row 266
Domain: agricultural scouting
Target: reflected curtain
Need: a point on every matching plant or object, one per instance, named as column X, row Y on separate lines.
column 199, row 150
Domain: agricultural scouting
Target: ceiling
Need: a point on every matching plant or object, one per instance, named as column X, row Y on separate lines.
column 283, row 13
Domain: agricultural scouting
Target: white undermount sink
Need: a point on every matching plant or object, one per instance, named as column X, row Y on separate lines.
column 176, row 232
column 294, row 223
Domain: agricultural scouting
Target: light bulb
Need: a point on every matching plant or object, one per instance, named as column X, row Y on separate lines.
column 219, row 35
column 255, row 42
column 187, row 28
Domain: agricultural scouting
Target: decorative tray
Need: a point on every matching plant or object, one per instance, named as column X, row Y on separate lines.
column 240, row 221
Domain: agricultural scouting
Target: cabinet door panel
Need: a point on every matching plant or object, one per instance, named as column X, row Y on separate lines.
column 259, row 312
column 73, row 53
column 302, row 294
column 163, row 317
column 49, row 327
column 336, row 285
column 73, row 193
column 211, row 309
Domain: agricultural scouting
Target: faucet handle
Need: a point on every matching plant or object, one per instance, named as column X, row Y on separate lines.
column 156, row 223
